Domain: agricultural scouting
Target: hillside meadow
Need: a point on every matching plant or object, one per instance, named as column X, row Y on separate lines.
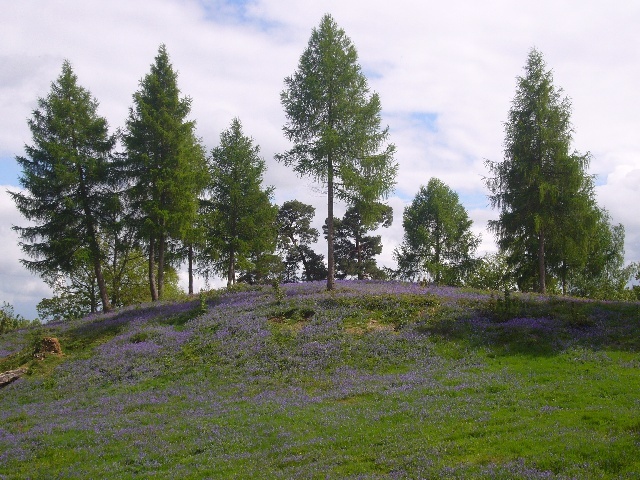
column 375, row 380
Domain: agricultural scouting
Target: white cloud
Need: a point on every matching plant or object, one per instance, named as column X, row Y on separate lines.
column 456, row 60
column 620, row 195
column 18, row 287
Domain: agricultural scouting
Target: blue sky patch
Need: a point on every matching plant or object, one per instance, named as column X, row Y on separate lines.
column 425, row 120
column 9, row 171
column 234, row 11
column 371, row 74
column 600, row 180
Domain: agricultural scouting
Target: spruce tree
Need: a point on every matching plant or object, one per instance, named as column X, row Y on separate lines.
column 65, row 180
column 164, row 167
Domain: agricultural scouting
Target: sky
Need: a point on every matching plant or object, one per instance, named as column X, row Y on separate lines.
column 445, row 72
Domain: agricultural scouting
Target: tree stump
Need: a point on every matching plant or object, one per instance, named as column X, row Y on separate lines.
column 48, row 345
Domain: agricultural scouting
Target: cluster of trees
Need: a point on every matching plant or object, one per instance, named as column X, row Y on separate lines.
column 109, row 210
column 9, row 320
column 114, row 214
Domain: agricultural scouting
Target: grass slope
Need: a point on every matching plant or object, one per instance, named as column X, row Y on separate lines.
column 374, row 380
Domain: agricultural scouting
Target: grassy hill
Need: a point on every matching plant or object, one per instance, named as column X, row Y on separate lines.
column 374, row 380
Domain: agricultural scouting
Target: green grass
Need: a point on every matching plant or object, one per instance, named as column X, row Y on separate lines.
column 305, row 388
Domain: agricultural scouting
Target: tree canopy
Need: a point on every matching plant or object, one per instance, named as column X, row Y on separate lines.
column 355, row 251
column 295, row 236
column 240, row 219
column 164, row 167
column 540, row 187
column 438, row 242
column 65, row 177
column 101, row 220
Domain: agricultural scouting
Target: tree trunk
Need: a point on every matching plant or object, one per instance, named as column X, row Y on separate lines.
column 190, row 257
column 152, row 268
column 541, row 267
column 94, row 248
column 161, row 256
column 231, row 273
column 305, row 263
column 359, row 258
column 437, row 255
column 93, row 299
column 115, row 277
column 330, row 263
column 102, row 287
column 97, row 269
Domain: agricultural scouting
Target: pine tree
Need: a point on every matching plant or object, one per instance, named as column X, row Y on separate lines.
column 334, row 123
column 295, row 235
column 164, row 166
column 65, row 177
column 355, row 251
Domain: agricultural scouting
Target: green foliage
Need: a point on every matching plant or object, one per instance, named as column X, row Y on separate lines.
column 76, row 295
column 278, row 293
column 291, row 314
column 65, row 304
column 334, row 123
column 65, row 177
column 354, row 250
column 164, row 166
column 203, row 303
column 438, row 242
column 9, row 320
column 602, row 275
column 491, row 272
column 295, row 235
column 180, row 319
column 502, row 308
column 393, row 310
column 238, row 215
column 544, row 196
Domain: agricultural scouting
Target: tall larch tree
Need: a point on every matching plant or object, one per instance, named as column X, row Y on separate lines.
column 65, row 180
column 163, row 166
column 239, row 217
column 540, row 181
column 334, row 122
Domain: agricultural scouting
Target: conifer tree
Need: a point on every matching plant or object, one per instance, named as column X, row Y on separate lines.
column 65, row 180
column 438, row 242
column 355, row 251
column 295, row 235
column 164, row 167
column 539, row 184
column 334, row 123
column 239, row 217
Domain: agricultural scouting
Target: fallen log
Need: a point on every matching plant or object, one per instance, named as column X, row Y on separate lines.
column 7, row 377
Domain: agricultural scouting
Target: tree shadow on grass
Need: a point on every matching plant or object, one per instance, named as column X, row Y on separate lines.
column 539, row 327
column 101, row 328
